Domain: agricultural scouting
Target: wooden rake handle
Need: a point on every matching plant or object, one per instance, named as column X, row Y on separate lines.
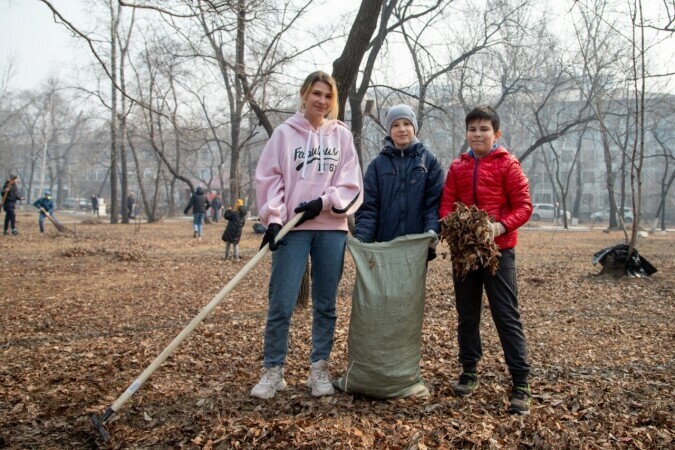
column 138, row 382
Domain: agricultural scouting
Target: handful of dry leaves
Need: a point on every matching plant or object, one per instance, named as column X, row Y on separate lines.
column 468, row 234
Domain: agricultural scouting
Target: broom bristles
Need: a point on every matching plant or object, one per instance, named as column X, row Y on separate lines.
column 56, row 223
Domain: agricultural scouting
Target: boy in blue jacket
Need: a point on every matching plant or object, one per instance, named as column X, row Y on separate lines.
column 401, row 196
column 44, row 204
column 402, row 186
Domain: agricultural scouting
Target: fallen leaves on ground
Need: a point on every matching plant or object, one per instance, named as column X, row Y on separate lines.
column 83, row 315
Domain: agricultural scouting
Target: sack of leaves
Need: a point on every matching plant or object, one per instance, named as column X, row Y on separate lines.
column 468, row 233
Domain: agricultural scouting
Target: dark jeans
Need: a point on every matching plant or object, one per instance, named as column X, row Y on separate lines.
column 10, row 218
column 502, row 294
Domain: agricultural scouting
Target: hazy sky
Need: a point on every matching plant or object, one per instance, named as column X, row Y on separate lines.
column 36, row 45
column 39, row 48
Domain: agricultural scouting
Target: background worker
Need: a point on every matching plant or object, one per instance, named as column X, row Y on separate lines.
column 94, row 205
column 199, row 204
column 45, row 205
column 235, row 225
column 130, row 205
column 10, row 195
column 216, row 205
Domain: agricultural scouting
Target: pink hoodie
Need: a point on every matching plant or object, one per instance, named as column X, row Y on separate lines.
column 300, row 164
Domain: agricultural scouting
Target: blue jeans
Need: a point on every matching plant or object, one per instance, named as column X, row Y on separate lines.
column 197, row 222
column 327, row 250
column 41, row 222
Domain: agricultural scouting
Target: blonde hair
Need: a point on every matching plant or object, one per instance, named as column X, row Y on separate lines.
column 306, row 89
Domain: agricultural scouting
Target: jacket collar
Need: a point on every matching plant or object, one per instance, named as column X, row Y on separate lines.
column 497, row 150
column 390, row 149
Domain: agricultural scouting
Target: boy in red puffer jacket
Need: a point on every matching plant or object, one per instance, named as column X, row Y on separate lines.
column 491, row 178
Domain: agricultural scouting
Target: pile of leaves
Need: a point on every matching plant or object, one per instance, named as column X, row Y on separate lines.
column 120, row 254
column 467, row 232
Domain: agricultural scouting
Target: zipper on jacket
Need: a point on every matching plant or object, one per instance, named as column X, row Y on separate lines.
column 475, row 182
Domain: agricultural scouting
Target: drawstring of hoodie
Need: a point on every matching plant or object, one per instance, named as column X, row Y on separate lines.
column 320, row 150
column 308, row 148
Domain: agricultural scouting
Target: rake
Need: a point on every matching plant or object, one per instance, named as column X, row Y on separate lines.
column 99, row 422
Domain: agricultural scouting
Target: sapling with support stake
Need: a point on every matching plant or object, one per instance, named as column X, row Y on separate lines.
column 99, row 422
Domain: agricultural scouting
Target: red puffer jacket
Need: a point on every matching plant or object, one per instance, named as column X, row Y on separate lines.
column 495, row 183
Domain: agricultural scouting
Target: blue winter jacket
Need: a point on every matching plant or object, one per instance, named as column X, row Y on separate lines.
column 45, row 203
column 402, row 194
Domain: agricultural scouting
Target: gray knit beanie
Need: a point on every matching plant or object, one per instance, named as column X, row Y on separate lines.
column 400, row 112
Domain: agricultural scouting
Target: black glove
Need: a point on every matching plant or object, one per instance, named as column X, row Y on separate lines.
column 311, row 210
column 362, row 239
column 271, row 236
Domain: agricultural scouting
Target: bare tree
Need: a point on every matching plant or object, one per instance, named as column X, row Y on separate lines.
column 110, row 54
column 598, row 48
column 161, row 123
column 402, row 13
column 346, row 66
column 666, row 182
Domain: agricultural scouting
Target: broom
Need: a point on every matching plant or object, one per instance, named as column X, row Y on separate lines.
column 56, row 223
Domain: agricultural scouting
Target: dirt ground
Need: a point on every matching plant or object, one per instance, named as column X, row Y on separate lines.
column 83, row 315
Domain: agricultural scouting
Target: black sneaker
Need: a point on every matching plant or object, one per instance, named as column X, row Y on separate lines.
column 520, row 400
column 466, row 384
column 15, row 231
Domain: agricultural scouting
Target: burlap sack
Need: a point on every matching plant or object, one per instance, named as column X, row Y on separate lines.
column 385, row 327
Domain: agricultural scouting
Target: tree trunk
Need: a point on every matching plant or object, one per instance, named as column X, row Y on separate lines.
column 357, row 125
column 346, row 66
column 114, row 22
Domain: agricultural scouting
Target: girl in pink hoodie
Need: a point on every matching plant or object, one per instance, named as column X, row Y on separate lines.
column 308, row 166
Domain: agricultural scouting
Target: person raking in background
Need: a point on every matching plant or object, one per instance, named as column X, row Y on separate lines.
column 199, row 204
column 10, row 195
column 491, row 178
column 308, row 166
column 44, row 205
column 216, row 205
column 235, row 225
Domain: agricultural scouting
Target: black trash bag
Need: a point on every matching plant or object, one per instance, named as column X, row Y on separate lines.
column 637, row 265
column 259, row 228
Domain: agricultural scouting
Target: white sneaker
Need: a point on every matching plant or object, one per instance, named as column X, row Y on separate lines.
column 319, row 379
column 272, row 380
